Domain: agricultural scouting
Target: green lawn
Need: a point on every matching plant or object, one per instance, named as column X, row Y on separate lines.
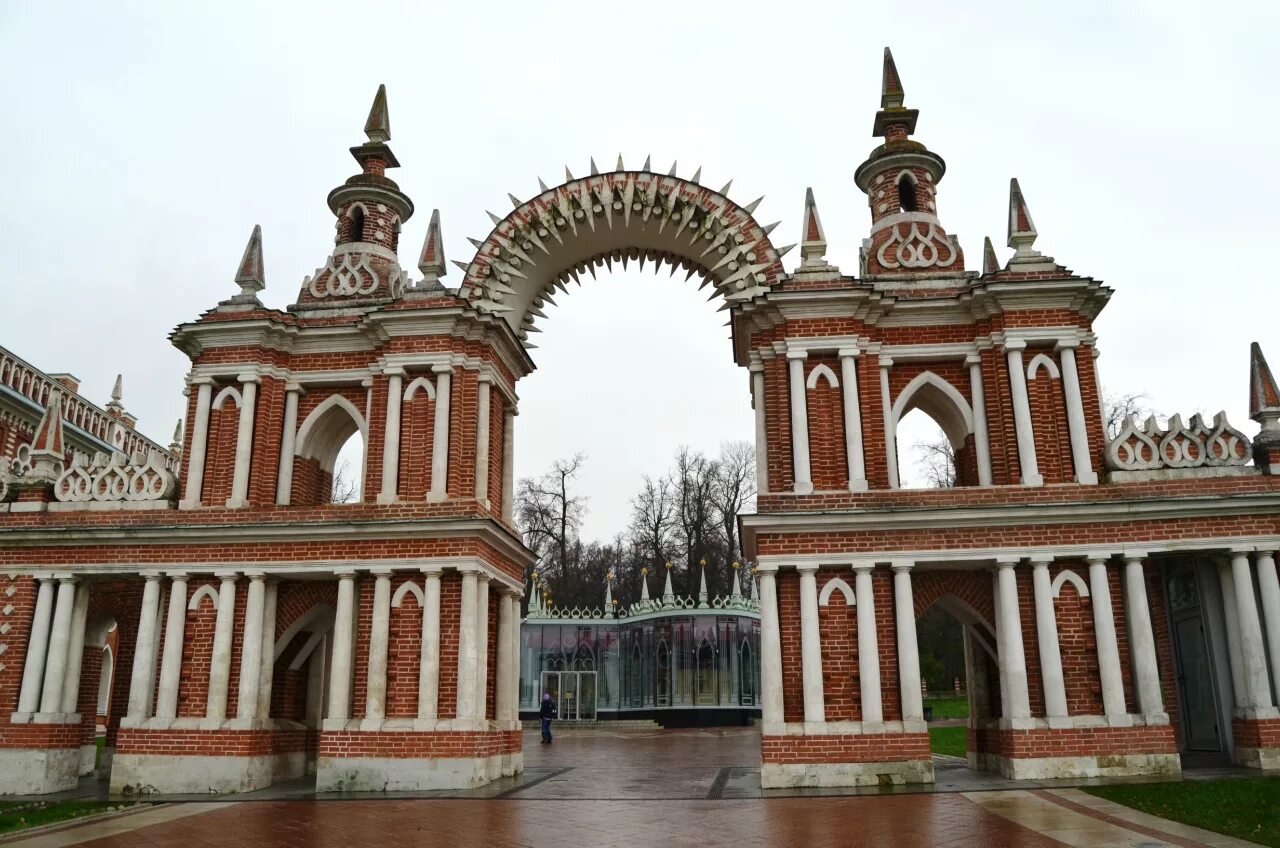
column 948, row 740
column 22, row 815
column 1247, row 809
column 950, row 707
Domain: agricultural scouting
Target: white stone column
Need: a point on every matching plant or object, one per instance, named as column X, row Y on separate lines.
column 266, row 673
column 1013, row 667
column 981, row 442
column 508, row 461
column 391, row 438
column 868, row 644
column 503, row 711
column 75, row 651
column 1252, row 653
column 770, row 654
column 810, row 645
column 244, row 442
column 799, row 423
column 908, row 650
column 1002, row 652
column 1269, row 594
column 482, row 646
column 760, row 406
column 1142, row 639
column 55, row 669
column 1022, row 414
column 1232, row 622
column 171, row 660
column 199, row 442
column 144, row 653
column 890, row 426
column 440, row 435
column 37, row 646
column 220, row 664
column 852, row 420
column 1081, row 461
column 375, row 697
column 1104, row 628
column 466, row 701
column 288, row 444
column 429, row 667
column 251, row 646
column 483, row 390
column 1055, row 688
column 515, row 657
column 344, row 637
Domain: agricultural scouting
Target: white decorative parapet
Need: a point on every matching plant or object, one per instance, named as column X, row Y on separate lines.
column 1177, row 446
column 116, row 478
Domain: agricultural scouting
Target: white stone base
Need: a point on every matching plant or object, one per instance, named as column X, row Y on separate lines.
column 791, row 775
column 394, row 774
column 1112, row 765
column 167, row 774
column 512, row 764
column 88, row 759
column 1259, row 758
column 38, row 771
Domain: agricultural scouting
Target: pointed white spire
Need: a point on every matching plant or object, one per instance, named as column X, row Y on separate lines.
column 175, row 446
column 431, row 261
column 1022, row 230
column 813, row 243
column 990, row 262
column 608, row 594
column 668, row 594
column 644, row 584
column 378, row 127
column 737, row 583
column 250, row 275
column 702, row 583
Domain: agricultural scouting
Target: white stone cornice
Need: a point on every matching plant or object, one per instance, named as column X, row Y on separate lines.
column 929, row 352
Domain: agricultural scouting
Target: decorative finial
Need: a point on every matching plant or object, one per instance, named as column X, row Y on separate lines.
column 703, row 562
column 49, row 439
column 668, row 565
column 117, row 391
column 891, row 93
column 250, row 275
column 1022, row 231
column 990, row 264
column 175, row 446
column 1264, row 395
column 813, row 246
column 893, row 121
column 431, row 261
column 378, row 127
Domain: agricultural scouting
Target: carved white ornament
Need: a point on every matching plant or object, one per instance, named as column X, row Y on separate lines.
column 351, row 275
column 917, row 249
column 116, row 478
column 1194, row 445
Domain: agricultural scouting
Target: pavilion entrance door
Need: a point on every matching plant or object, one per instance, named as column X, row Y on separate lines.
column 573, row 692
column 1197, row 698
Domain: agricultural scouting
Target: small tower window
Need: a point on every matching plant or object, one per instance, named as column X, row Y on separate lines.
column 906, row 193
column 355, row 229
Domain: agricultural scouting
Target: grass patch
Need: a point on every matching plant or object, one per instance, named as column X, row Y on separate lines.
column 22, row 815
column 951, row 707
column 951, row 741
column 1246, row 809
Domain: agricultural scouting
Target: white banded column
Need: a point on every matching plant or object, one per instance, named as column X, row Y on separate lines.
column 391, row 437
column 852, row 420
column 1022, row 414
column 799, row 423
column 482, row 646
column 75, row 651
column 288, row 444
column 1269, row 595
column 375, row 697
column 514, row 670
column 1232, row 621
column 244, row 442
column 1013, row 659
column 890, row 426
column 759, row 406
column 503, row 702
column 55, row 669
column 1081, row 461
column 810, row 645
column 1055, row 688
column 199, row 442
column 483, row 390
column 440, row 435
column 1253, row 660
column 508, row 461
column 467, row 655
column 266, row 673
column 868, row 644
column 1142, row 639
column 981, row 442
column 1104, row 629
column 770, row 654
column 251, row 646
column 174, row 634
column 908, row 650
column 144, row 653
column 341, row 663
column 37, row 646
column 429, row 665
column 220, row 664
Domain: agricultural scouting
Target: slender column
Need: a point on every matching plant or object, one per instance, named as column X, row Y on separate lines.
column 1252, row 656
column 1014, row 666
column 1232, row 622
column 508, row 462
column 251, row 647
column 890, row 426
column 343, row 648
column 467, row 658
column 1022, row 415
column 244, row 442
column 1269, row 594
column 502, row 700
column 375, row 703
column 762, row 428
column 1080, row 459
column 908, row 651
column 266, row 672
column 440, row 437
column 868, row 644
column 199, row 442
column 220, row 665
column 981, row 442
column 37, row 646
column 75, row 652
column 483, row 389
column 1142, row 639
column 1002, row 652
column 810, row 645
column 770, row 653
column 514, row 671
column 55, row 669
column 852, row 420
column 171, row 660
column 144, row 654
column 391, row 438
column 799, row 422
column 429, row 667
column 1104, row 628
column 284, row 478
column 1055, row 688
column 482, row 646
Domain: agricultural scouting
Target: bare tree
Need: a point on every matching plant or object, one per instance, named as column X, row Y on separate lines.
column 734, row 490
column 652, row 518
column 937, row 459
column 549, row 515
column 694, row 479
column 344, row 487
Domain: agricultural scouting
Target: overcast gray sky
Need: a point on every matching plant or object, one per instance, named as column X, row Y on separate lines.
column 144, row 140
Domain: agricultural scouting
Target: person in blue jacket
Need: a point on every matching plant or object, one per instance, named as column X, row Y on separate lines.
column 546, row 713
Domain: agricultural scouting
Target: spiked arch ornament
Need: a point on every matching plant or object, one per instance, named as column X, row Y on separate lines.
column 623, row 215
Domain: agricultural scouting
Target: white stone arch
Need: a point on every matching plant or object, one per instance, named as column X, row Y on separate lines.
column 199, row 595
column 228, row 393
column 408, row 588
column 327, row 429
column 979, row 629
column 317, row 620
column 423, row 384
column 1069, row 576
column 940, row 401
column 364, row 217
column 833, row 585
column 822, row 372
column 1042, row 360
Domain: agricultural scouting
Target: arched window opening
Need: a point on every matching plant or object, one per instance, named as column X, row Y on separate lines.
column 355, row 223
column 346, row 483
column 329, row 466
column 926, row 457
column 940, row 441
column 906, row 193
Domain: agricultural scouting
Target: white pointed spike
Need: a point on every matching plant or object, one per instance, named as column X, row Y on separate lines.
column 647, row 166
column 725, row 190
column 595, row 172
column 516, row 202
column 620, row 166
column 693, row 269
column 476, row 243
column 493, row 217
column 608, row 260
column 697, row 175
column 573, row 272
column 463, row 265
column 546, row 295
column 591, row 269
column 532, row 329
column 584, row 200
column 568, row 175
column 543, row 186
column 641, row 265
column 750, row 208
column 533, row 310
column 783, row 251
column 714, row 294
column 672, row 172
column 624, row 261
column 771, row 227
column 674, row 266
column 628, row 195
column 530, row 346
